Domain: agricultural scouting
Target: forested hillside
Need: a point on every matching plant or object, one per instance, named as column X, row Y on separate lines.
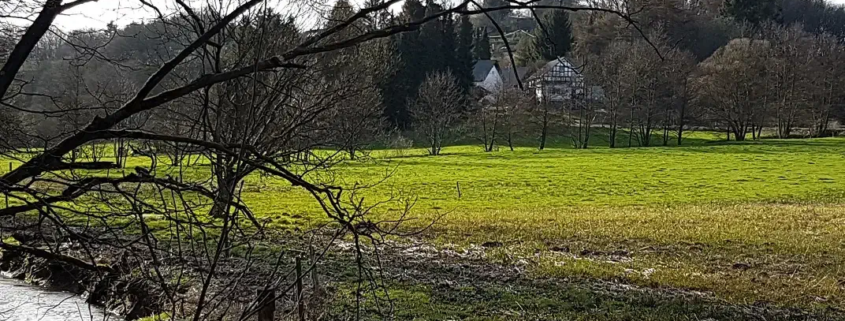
column 408, row 159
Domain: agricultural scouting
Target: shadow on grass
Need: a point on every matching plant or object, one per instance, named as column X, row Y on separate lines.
column 600, row 138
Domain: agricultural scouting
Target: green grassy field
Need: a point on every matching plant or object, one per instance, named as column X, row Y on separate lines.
column 749, row 223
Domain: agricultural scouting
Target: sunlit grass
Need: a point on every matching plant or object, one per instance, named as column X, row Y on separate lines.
column 749, row 222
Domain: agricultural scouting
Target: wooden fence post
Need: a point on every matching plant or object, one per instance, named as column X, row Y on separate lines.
column 7, row 193
column 458, row 184
column 267, row 302
column 300, row 304
column 314, row 277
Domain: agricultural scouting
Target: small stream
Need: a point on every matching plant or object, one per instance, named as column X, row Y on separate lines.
column 23, row 302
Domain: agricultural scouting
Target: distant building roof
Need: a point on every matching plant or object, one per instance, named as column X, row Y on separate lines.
column 510, row 35
column 549, row 66
column 509, row 78
column 482, row 69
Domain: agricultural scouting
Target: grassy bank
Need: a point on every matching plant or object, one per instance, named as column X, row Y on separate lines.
column 748, row 223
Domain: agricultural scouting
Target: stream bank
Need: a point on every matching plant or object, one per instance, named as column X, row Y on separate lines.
column 36, row 283
column 25, row 302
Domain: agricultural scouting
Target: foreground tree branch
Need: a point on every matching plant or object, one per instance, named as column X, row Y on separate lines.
column 232, row 92
column 30, row 38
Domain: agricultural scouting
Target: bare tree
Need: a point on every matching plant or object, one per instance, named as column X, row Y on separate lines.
column 543, row 115
column 787, row 71
column 732, row 84
column 515, row 106
column 610, row 73
column 583, row 109
column 826, row 73
column 486, row 121
column 360, row 71
column 243, row 88
column 437, row 106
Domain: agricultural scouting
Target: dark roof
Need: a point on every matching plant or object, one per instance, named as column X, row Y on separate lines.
column 549, row 66
column 482, row 69
column 509, row 79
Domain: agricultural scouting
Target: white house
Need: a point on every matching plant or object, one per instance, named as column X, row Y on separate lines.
column 487, row 75
column 557, row 81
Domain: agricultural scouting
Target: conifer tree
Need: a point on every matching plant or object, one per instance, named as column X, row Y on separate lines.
column 409, row 72
column 464, row 54
column 481, row 49
column 553, row 40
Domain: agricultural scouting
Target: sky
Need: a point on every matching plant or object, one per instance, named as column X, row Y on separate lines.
column 122, row 12
column 99, row 14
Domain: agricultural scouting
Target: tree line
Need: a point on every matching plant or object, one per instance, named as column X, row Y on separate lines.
column 737, row 67
column 771, row 71
column 238, row 88
column 662, row 83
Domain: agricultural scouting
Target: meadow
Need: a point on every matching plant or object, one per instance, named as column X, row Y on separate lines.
column 749, row 222
column 742, row 223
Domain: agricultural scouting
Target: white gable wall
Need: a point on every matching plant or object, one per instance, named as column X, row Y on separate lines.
column 493, row 82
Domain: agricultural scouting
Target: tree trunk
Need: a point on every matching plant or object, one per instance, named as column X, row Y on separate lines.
column 787, row 130
column 631, row 128
column 739, row 133
column 226, row 182
column 680, row 134
column 544, row 131
column 510, row 140
column 612, row 135
column 95, row 155
column 586, row 137
column 543, row 137
column 666, row 125
column 613, row 129
column 120, row 152
column 433, row 139
column 493, row 133
column 435, row 147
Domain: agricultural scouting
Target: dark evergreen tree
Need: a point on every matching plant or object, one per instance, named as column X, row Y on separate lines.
column 464, row 55
column 380, row 19
column 448, row 49
column 437, row 46
column 409, row 72
column 341, row 11
column 525, row 52
column 754, row 12
column 432, row 36
column 389, row 84
column 553, row 40
column 817, row 16
column 481, row 49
